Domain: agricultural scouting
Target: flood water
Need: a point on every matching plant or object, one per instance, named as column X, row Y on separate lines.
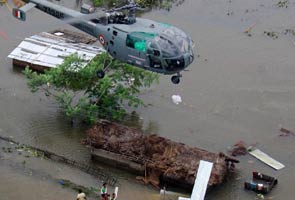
column 239, row 87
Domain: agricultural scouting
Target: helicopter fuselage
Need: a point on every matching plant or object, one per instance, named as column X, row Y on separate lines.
column 141, row 42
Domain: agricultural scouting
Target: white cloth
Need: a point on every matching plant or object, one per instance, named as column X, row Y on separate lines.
column 176, row 99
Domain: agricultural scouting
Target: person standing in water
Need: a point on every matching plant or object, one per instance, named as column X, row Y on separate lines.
column 104, row 191
column 81, row 195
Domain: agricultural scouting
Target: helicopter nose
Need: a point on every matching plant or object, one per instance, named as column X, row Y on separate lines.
column 191, row 58
column 188, row 59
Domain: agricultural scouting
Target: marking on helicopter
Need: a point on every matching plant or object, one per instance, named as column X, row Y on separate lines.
column 91, row 23
column 138, row 62
column 131, row 56
column 101, row 39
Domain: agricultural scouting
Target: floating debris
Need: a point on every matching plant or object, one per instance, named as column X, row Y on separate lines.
column 283, row 4
column 286, row 132
column 239, row 149
column 271, row 34
column 176, row 99
column 291, row 35
column 266, row 159
column 248, row 30
column 201, row 182
column 261, row 183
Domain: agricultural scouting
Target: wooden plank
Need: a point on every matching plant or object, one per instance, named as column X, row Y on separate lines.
column 266, row 159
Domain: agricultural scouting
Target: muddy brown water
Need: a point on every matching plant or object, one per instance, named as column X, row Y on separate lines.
column 239, row 88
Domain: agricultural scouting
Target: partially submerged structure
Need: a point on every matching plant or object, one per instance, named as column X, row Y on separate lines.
column 261, row 183
column 155, row 158
column 48, row 50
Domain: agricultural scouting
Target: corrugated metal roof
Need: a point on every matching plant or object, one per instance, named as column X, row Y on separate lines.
column 49, row 50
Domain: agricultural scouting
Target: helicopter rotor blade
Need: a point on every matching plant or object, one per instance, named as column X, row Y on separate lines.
column 131, row 5
column 83, row 17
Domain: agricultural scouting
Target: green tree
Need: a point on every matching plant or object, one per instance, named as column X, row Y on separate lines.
column 82, row 95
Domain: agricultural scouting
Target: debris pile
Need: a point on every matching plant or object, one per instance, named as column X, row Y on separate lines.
column 261, row 183
column 174, row 162
column 239, row 149
column 286, row 132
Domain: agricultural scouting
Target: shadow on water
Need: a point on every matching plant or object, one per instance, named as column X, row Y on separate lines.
column 18, row 70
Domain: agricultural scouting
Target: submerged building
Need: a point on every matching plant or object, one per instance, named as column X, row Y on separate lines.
column 48, row 50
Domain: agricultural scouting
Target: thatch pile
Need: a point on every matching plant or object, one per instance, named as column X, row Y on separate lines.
column 173, row 162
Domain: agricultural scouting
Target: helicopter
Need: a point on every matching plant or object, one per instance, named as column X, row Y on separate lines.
column 141, row 42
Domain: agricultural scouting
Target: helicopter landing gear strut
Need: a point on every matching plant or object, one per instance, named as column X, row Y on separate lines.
column 176, row 78
column 101, row 73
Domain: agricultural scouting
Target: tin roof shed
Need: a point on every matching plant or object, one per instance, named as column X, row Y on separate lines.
column 49, row 50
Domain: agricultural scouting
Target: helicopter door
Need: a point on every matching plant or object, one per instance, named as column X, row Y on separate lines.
column 155, row 58
column 154, row 54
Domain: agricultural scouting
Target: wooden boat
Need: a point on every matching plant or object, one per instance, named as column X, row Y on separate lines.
column 261, row 183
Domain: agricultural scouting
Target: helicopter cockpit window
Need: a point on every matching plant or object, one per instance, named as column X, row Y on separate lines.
column 180, row 39
column 167, row 47
column 137, row 40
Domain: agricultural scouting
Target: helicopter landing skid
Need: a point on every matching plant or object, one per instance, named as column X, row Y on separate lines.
column 176, row 78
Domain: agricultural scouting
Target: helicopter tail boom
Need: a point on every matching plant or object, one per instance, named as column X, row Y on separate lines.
column 52, row 9
column 20, row 13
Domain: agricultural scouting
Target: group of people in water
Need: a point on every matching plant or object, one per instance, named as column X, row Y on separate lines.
column 104, row 195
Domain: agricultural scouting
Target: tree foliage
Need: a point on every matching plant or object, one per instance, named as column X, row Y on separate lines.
column 81, row 94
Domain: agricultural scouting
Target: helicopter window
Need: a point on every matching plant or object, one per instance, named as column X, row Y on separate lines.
column 156, row 53
column 137, row 40
column 95, row 20
column 181, row 40
column 136, row 43
column 101, row 20
column 112, row 43
column 166, row 46
column 115, row 33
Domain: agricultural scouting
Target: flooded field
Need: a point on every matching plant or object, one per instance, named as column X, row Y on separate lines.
column 241, row 86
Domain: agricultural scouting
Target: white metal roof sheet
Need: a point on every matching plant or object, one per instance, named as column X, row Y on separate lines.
column 50, row 50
